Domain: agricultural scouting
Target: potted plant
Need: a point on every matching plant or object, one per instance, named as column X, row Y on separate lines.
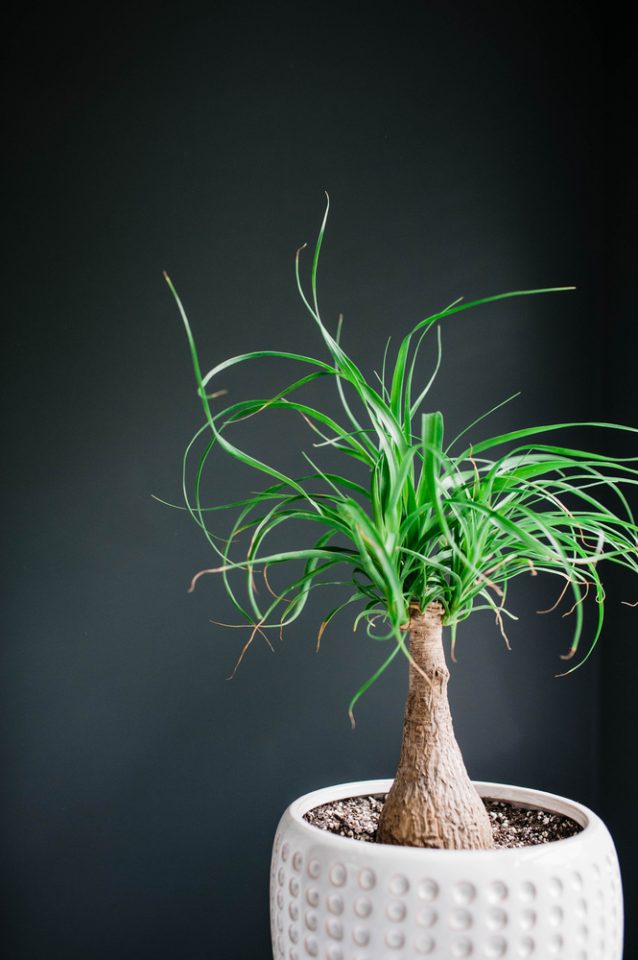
column 421, row 533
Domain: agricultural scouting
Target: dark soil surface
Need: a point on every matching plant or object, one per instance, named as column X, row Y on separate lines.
column 512, row 826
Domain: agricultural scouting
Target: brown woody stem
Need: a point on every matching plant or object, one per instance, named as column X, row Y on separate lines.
column 432, row 802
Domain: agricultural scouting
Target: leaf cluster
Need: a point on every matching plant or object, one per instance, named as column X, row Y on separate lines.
column 451, row 522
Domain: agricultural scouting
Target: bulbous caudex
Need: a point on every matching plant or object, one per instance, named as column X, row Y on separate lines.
column 432, row 802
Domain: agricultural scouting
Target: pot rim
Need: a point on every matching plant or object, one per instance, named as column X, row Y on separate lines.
column 586, row 818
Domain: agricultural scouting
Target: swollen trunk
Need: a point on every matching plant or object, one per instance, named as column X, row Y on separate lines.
column 432, row 802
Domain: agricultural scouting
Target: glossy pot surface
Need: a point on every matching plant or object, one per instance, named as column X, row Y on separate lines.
column 342, row 899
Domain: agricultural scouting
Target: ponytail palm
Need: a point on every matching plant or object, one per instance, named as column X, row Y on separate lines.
column 419, row 530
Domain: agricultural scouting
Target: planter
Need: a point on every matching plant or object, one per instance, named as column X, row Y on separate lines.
column 342, row 899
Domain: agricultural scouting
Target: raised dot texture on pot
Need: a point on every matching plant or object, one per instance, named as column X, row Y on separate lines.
column 525, row 947
column 361, row 936
column 338, row 874
column 312, row 896
column 394, row 939
column 362, row 907
column 555, row 887
column 399, row 885
column 581, row 909
column 428, row 890
column 461, row 948
column 312, row 947
column 335, row 904
column 427, row 917
column 496, row 918
column 367, row 879
column 495, row 947
column 335, row 929
column 582, row 936
column 527, row 920
column 314, row 869
column 463, row 893
column 497, row 891
column 424, row 945
column 460, row 920
column 395, row 910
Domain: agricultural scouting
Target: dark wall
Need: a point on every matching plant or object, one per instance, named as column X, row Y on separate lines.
column 619, row 665
column 464, row 150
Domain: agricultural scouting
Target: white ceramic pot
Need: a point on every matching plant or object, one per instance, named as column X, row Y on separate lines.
column 342, row 899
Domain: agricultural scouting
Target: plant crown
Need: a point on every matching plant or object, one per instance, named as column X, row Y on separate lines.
column 448, row 522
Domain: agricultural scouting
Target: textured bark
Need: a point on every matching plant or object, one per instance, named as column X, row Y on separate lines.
column 432, row 802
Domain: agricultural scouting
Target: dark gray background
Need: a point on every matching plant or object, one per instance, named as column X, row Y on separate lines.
column 468, row 149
